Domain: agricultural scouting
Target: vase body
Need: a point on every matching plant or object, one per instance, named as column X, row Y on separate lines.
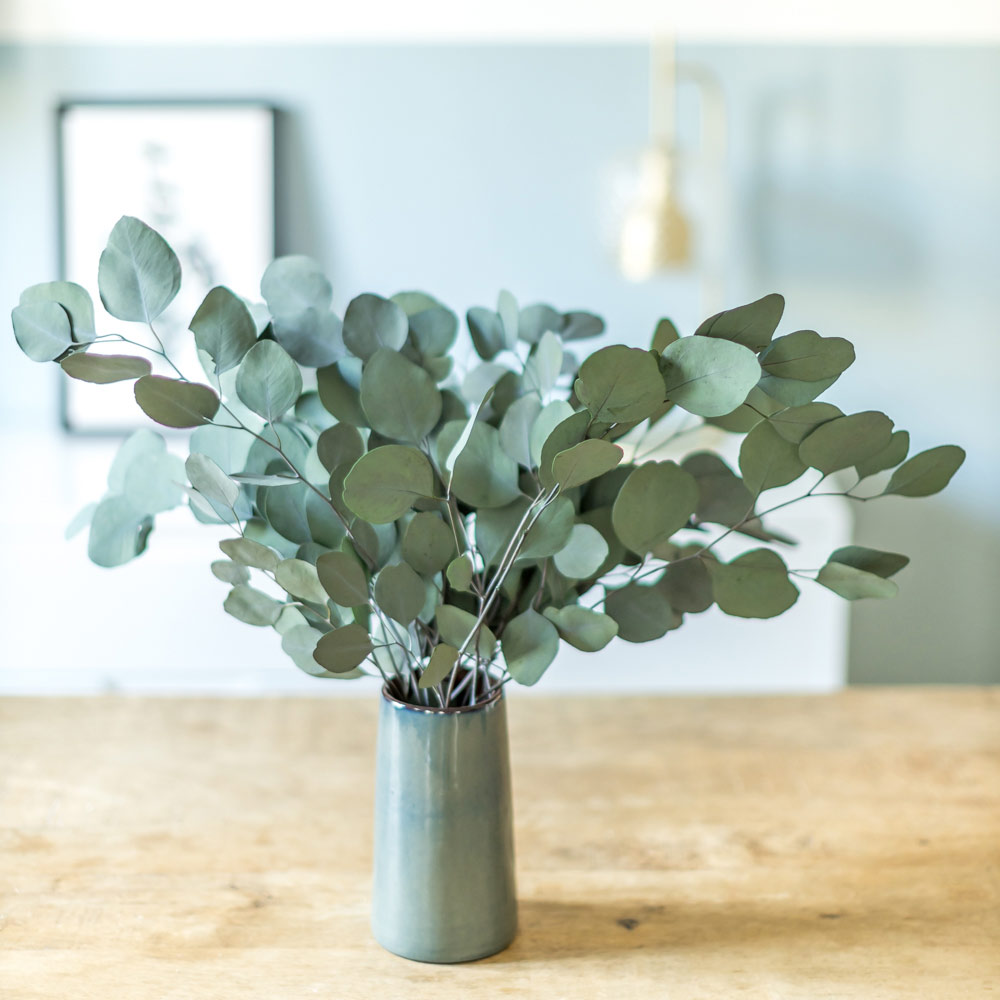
column 444, row 841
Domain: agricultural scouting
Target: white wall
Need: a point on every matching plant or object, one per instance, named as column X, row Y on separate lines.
column 466, row 169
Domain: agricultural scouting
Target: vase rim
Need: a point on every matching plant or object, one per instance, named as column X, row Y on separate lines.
column 399, row 704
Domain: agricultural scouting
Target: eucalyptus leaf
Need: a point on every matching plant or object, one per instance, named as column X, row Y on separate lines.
column 265, row 479
column 620, row 383
column 208, row 479
column 550, row 531
column 268, row 381
column 153, row 482
column 793, row 392
column 343, row 578
column 484, row 474
column 285, row 511
column 339, row 445
column 250, row 553
column 579, row 325
column 223, row 328
column 583, row 555
column 300, row 579
column 708, row 377
column 544, row 365
column 852, row 583
column 459, row 572
column 442, row 662
column 643, row 613
column 844, row 441
column 138, row 274
column 768, row 460
column 723, row 498
column 926, row 473
column 807, row 357
column 74, row 299
column 400, row 593
column 339, row 396
column 428, row 543
column 530, row 643
column 294, row 283
column 451, row 457
column 42, row 330
column 384, row 483
column 752, row 325
column 433, row 330
column 754, row 585
column 118, row 532
column 399, row 398
column 583, row 628
column 515, row 428
column 175, row 403
column 104, row 368
column 508, row 312
column 657, row 500
column 372, row 322
column 552, row 416
column 664, row 335
column 252, row 606
column 299, row 643
column 456, row 626
column 884, row 564
column 343, row 649
column 535, row 320
column 230, row 572
column 487, row 331
column 687, row 585
column 795, row 423
column 889, row 457
column 585, row 461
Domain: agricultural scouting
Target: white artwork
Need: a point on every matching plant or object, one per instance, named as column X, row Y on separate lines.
column 202, row 175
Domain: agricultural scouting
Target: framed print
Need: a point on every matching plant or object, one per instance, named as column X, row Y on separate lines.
column 202, row 175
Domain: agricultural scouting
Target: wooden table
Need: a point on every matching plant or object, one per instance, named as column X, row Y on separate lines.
column 800, row 847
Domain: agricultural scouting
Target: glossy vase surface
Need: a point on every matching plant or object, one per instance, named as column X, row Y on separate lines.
column 444, row 841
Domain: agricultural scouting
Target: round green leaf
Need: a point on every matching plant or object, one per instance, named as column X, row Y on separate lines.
column 544, row 365
column 536, row 320
column 687, row 586
column 434, row 330
column 578, row 325
column 118, row 532
column 585, row 461
column 399, row 398
column 339, row 445
column 294, row 283
column 657, row 500
column 339, row 395
column 486, row 329
column 252, row 606
column 754, row 585
column 299, row 643
column 708, row 377
column 73, row 298
column 807, row 357
column 104, row 368
column 459, row 572
column 619, row 384
column 884, row 564
column 456, row 625
column 568, row 432
column 767, row 459
column 530, row 643
column 209, row 480
column 793, row 392
column 285, row 510
column 268, row 380
column 842, row 442
column 343, row 649
column 223, row 328
column 154, row 482
column 891, row 455
column 643, row 613
column 795, row 423
column 174, row 403
column 343, row 579
column 230, row 572
column 138, row 274
column 384, row 483
column 300, row 579
column 428, row 544
column 484, row 474
column 515, row 428
column 582, row 628
column 372, row 322
column 853, row 584
column 926, row 473
column 752, row 325
column 583, row 555
column 247, row 552
column 42, row 330
column 722, row 496
column 400, row 593
column 313, row 338
column 550, row 532
column 442, row 662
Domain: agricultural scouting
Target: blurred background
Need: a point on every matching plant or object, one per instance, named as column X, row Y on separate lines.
column 636, row 160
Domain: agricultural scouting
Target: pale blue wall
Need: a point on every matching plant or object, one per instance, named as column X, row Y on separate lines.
column 864, row 187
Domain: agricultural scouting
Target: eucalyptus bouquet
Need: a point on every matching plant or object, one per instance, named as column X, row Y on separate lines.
column 448, row 528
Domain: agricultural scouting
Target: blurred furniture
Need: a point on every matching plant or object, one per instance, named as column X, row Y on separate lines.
column 836, row 846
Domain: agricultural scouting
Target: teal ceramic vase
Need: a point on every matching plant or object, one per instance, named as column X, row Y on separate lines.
column 444, row 840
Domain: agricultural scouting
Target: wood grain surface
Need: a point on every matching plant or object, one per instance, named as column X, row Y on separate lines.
column 678, row 848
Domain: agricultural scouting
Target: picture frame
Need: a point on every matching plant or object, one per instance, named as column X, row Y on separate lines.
column 202, row 173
